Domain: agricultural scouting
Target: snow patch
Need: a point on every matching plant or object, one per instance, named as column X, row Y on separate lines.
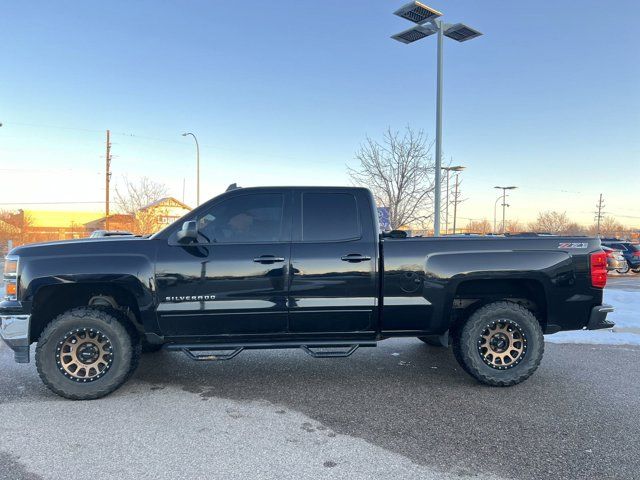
column 626, row 317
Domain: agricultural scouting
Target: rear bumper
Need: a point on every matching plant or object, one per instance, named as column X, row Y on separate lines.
column 14, row 330
column 598, row 318
column 615, row 264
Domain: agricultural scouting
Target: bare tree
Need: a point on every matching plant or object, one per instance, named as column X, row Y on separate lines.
column 479, row 226
column 514, row 226
column 609, row 227
column 550, row 222
column 399, row 171
column 16, row 226
column 133, row 197
column 574, row 228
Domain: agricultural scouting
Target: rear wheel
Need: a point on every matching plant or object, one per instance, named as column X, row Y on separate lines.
column 87, row 353
column 501, row 344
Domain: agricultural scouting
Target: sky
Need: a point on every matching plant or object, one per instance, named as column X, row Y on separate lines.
column 284, row 92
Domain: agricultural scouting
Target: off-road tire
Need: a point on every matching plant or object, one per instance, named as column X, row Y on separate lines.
column 466, row 344
column 125, row 345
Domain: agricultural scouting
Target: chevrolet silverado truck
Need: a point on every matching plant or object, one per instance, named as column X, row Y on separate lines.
column 292, row 267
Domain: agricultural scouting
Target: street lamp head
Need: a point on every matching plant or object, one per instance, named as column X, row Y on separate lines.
column 461, row 32
column 185, row 134
column 417, row 12
column 412, row 34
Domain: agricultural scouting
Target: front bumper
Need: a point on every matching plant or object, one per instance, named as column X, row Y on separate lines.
column 598, row 318
column 14, row 330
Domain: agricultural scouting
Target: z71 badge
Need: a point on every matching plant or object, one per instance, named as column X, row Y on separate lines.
column 573, row 245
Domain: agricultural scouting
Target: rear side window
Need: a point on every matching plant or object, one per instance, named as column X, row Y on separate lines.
column 329, row 217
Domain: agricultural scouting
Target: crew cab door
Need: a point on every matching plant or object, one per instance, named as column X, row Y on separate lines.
column 234, row 279
column 333, row 262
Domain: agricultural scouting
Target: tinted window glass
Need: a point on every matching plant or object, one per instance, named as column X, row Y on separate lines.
column 329, row 216
column 246, row 218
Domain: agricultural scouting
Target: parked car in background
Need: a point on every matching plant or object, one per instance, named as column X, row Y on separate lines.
column 615, row 260
column 630, row 251
column 110, row 233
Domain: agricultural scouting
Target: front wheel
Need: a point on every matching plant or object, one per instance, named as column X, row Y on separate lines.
column 87, row 353
column 501, row 344
column 623, row 270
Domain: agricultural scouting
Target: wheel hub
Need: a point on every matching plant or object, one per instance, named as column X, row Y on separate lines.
column 84, row 354
column 88, row 353
column 502, row 344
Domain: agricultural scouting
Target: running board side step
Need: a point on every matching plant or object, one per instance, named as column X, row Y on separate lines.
column 313, row 349
column 210, row 358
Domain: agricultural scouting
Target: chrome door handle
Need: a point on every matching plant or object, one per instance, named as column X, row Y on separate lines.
column 267, row 259
column 355, row 258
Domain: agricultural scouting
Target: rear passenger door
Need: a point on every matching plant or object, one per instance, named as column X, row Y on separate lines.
column 333, row 263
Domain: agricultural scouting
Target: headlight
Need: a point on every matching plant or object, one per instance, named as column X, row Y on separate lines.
column 10, row 277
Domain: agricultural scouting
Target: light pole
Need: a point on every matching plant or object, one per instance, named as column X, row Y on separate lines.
column 504, row 204
column 197, row 167
column 495, row 207
column 456, row 168
column 427, row 24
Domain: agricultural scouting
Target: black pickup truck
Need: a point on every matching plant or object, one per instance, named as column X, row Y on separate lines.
column 285, row 267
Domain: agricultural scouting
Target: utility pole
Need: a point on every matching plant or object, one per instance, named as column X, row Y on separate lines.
column 446, row 208
column 456, row 201
column 599, row 213
column 107, row 181
column 456, row 168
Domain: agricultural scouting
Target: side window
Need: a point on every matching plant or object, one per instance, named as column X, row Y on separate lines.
column 246, row 218
column 329, row 217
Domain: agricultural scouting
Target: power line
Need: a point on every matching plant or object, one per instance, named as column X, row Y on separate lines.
column 163, row 140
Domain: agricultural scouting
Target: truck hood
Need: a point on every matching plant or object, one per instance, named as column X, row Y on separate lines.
column 81, row 246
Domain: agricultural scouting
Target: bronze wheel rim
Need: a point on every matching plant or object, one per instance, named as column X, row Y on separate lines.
column 502, row 344
column 84, row 355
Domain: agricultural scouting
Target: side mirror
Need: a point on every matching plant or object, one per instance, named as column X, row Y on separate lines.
column 188, row 233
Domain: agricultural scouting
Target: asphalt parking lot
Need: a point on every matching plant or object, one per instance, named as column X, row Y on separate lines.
column 401, row 410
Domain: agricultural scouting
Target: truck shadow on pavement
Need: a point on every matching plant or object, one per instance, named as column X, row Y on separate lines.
column 576, row 417
column 415, row 400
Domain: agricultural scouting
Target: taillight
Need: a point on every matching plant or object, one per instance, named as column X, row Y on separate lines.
column 599, row 269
